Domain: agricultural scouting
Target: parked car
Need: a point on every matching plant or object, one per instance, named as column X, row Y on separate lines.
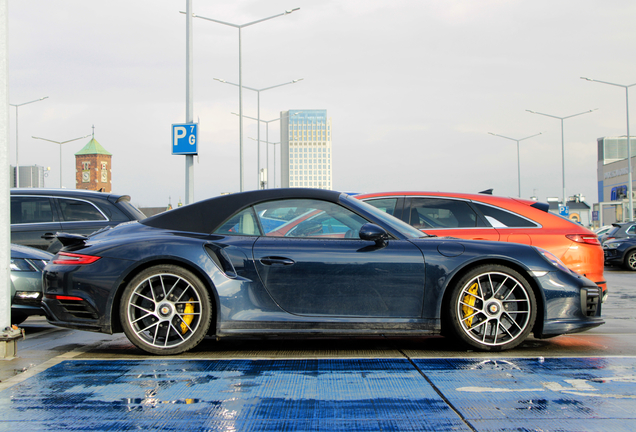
column 37, row 214
column 619, row 230
column 602, row 230
column 26, row 281
column 307, row 262
column 621, row 252
column 488, row 217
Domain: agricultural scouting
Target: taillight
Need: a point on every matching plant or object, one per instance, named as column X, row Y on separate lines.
column 584, row 238
column 62, row 297
column 65, row 258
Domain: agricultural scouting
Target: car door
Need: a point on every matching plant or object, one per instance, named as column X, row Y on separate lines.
column 33, row 217
column 447, row 217
column 320, row 266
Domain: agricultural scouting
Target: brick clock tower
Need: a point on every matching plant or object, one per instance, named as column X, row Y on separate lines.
column 93, row 167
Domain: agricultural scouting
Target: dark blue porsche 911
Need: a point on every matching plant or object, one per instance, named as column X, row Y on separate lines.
column 304, row 263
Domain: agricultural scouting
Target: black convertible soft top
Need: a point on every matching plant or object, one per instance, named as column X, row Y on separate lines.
column 205, row 216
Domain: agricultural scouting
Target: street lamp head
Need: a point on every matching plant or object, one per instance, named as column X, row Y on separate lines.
column 287, row 12
column 220, row 80
column 296, row 80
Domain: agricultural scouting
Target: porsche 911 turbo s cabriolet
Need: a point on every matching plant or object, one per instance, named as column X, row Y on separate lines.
column 307, row 263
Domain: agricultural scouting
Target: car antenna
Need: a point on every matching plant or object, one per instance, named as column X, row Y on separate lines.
column 486, row 192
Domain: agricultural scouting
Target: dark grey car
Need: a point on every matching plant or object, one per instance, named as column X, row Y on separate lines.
column 26, row 281
column 37, row 214
column 619, row 230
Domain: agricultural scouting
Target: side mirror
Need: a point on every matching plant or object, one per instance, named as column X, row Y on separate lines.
column 374, row 233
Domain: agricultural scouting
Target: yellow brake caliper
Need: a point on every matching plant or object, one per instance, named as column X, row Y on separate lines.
column 469, row 300
column 188, row 316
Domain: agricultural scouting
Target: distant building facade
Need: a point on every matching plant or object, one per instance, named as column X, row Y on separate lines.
column 613, row 179
column 30, row 176
column 613, row 170
column 306, row 149
column 93, row 167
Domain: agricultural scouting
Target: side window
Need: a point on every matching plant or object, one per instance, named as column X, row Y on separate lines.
column 31, row 210
column 499, row 218
column 631, row 230
column 308, row 218
column 387, row 205
column 242, row 223
column 441, row 213
column 75, row 210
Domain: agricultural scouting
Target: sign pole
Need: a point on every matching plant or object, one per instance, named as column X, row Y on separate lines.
column 8, row 335
column 189, row 159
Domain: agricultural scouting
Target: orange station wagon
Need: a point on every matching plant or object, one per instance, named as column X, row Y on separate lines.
column 488, row 217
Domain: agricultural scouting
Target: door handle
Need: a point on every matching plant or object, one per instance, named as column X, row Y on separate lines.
column 273, row 260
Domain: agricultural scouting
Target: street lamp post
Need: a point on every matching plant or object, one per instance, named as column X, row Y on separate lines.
column 518, row 158
column 60, row 144
column 17, row 161
column 240, row 84
column 629, row 147
column 274, row 144
column 562, row 143
column 258, row 115
column 267, row 122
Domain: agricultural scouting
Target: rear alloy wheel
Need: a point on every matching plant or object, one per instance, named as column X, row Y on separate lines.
column 492, row 308
column 630, row 261
column 165, row 310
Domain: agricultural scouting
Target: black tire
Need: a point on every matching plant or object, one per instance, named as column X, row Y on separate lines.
column 492, row 308
column 18, row 318
column 165, row 310
column 630, row 261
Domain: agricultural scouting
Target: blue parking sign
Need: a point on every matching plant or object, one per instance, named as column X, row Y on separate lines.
column 185, row 139
column 564, row 210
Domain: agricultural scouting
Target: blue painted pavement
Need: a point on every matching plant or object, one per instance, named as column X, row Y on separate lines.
column 552, row 394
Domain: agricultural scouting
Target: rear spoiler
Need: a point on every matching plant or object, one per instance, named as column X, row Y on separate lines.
column 68, row 239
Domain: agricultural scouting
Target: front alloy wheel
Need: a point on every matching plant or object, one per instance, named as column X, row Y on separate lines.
column 630, row 261
column 165, row 310
column 492, row 308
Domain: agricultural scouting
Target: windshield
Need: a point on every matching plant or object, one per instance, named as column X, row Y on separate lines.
column 402, row 227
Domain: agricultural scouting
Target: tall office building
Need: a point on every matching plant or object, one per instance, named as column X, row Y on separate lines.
column 306, row 156
column 30, row 176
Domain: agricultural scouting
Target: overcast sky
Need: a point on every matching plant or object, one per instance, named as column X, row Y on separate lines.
column 412, row 87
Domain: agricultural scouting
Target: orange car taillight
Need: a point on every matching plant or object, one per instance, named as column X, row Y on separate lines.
column 65, row 258
column 584, row 238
